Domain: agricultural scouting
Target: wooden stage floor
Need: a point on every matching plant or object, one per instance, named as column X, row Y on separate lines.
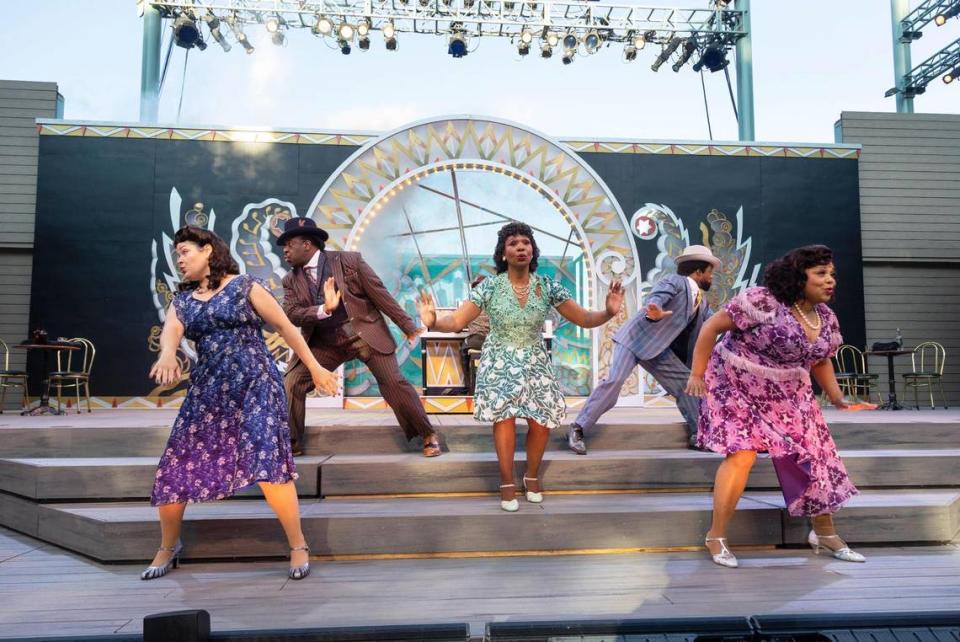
column 47, row 591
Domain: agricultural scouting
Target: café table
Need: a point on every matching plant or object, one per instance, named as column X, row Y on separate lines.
column 43, row 407
column 892, row 403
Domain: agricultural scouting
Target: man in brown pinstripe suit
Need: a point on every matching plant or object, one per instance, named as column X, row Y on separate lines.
column 312, row 293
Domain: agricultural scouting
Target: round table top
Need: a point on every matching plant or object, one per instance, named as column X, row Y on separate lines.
column 888, row 353
column 47, row 346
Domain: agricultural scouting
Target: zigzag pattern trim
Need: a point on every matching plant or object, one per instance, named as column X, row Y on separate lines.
column 334, row 138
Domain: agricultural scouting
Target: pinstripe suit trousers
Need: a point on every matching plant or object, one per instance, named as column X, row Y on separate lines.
column 666, row 368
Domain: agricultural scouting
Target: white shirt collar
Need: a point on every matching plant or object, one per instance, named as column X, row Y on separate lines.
column 694, row 286
column 314, row 261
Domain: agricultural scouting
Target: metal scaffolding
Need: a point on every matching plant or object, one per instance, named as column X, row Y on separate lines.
column 571, row 27
column 907, row 28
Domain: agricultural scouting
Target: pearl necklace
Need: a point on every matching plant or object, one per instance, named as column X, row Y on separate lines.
column 805, row 319
column 521, row 290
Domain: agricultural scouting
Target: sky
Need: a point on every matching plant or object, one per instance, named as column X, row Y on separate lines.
column 812, row 60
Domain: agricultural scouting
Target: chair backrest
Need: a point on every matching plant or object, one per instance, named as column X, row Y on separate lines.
column 83, row 363
column 6, row 354
column 849, row 359
column 928, row 357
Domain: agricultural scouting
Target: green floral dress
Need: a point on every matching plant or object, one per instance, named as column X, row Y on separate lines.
column 515, row 378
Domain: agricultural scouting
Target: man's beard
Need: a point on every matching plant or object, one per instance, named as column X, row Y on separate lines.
column 705, row 286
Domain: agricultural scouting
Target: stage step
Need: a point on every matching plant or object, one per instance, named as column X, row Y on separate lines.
column 120, row 478
column 365, row 527
column 110, row 478
column 330, row 432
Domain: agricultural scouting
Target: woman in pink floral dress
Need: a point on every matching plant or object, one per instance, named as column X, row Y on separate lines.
column 759, row 397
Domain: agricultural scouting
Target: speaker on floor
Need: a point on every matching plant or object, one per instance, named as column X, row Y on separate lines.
column 192, row 625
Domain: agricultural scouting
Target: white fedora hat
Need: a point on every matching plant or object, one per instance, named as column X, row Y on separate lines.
column 698, row 253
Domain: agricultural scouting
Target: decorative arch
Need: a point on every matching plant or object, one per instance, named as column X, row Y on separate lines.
column 355, row 193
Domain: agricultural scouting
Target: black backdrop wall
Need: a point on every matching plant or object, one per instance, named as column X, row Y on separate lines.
column 101, row 202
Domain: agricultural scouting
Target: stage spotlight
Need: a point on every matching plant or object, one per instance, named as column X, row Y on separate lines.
column 941, row 18
column 570, row 42
column 213, row 24
column 458, row 45
column 272, row 24
column 630, row 53
column 278, row 39
column 508, row 5
column 639, row 42
column 185, row 32
column 389, row 36
column 950, row 76
column 568, row 55
column 344, row 46
column 345, row 32
column 714, row 59
column 553, row 39
column 648, row 36
column 909, row 36
column 591, row 41
column 323, row 26
column 546, row 51
column 526, row 37
column 689, row 46
column 424, row 3
column 665, row 53
column 364, row 43
column 363, row 28
column 237, row 29
column 468, row 4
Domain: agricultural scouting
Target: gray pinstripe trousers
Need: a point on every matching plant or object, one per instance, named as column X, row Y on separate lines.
column 666, row 368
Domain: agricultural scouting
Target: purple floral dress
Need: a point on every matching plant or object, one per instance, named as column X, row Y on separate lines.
column 759, row 397
column 232, row 429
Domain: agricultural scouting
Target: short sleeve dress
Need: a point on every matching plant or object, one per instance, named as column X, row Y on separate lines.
column 232, row 429
column 760, row 398
column 515, row 377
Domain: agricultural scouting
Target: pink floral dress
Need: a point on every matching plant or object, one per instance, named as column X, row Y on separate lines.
column 759, row 398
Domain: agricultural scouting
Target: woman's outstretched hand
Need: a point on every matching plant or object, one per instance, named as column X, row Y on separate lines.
column 166, row 370
column 325, row 382
column 614, row 298
column 696, row 387
column 426, row 309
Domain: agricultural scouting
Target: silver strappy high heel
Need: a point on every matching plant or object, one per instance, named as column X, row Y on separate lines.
column 724, row 557
column 845, row 554
column 512, row 505
column 153, row 572
column 300, row 572
column 532, row 497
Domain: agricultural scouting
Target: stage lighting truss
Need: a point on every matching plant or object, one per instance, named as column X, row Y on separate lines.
column 939, row 65
column 551, row 25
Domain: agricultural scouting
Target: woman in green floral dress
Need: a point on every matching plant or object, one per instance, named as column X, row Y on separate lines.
column 515, row 378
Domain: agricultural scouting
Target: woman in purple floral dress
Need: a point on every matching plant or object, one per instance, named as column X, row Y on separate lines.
column 759, row 397
column 231, row 431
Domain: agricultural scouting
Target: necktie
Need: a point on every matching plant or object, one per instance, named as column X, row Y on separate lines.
column 697, row 299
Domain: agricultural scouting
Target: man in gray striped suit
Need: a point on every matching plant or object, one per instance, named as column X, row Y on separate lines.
column 660, row 341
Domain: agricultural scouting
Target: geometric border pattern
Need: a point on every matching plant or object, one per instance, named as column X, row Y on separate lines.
column 47, row 127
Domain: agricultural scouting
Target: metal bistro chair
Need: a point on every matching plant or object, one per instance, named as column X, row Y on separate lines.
column 927, row 361
column 10, row 378
column 852, row 374
column 76, row 373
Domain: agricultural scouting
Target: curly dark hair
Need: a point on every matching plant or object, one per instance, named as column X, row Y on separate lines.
column 514, row 228
column 221, row 263
column 787, row 276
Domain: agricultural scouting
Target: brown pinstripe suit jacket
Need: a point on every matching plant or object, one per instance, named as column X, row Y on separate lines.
column 364, row 298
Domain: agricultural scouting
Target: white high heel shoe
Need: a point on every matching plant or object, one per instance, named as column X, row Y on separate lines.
column 845, row 554
column 153, row 572
column 532, row 497
column 724, row 557
column 511, row 506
